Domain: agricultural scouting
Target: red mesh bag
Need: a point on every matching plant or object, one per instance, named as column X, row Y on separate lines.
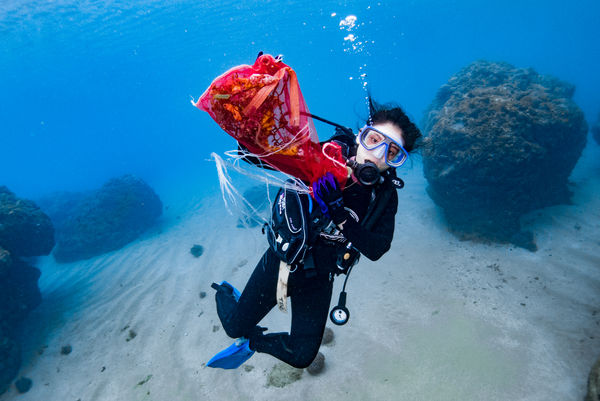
column 261, row 106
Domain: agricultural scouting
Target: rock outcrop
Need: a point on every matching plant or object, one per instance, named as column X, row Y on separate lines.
column 96, row 222
column 501, row 142
column 593, row 393
column 24, row 231
column 596, row 130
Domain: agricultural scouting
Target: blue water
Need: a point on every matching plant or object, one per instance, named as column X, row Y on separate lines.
column 94, row 89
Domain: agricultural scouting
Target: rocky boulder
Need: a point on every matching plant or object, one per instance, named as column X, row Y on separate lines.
column 19, row 294
column 596, row 130
column 24, row 231
column 500, row 142
column 100, row 221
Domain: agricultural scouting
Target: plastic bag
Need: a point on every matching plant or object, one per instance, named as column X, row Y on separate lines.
column 261, row 106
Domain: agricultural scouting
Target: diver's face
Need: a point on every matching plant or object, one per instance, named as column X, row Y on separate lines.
column 377, row 156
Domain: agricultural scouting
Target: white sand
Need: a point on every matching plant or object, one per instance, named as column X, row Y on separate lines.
column 434, row 319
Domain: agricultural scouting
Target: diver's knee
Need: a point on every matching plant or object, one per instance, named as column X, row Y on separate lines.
column 233, row 331
column 305, row 357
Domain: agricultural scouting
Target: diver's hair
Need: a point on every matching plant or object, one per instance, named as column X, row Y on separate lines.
column 394, row 114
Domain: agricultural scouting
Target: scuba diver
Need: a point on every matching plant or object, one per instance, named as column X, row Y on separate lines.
column 357, row 220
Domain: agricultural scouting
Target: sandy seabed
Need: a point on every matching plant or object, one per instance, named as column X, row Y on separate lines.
column 434, row 319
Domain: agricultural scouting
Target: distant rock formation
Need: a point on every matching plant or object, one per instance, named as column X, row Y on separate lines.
column 501, row 142
column 92, row 223
column 596, row 130
column 24, row 231
column 593, row 393
column 258, row 197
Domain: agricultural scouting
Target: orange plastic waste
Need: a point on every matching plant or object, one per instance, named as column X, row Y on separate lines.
column 262, row 107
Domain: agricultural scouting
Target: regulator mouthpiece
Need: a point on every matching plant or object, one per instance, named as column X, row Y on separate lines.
column 366, row 173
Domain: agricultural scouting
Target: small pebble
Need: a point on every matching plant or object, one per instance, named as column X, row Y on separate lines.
column 202, row 294
column 66, row 350
column 327, row 336
column 317, row 365
column 197, row 250
column 132, row 335
column 23, row 385
column 216, row 328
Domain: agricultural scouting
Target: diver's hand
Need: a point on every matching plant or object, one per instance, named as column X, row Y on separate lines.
column 328, row 195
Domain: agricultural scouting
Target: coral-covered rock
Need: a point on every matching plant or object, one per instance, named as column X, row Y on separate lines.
column 60, row 206
column 24, row 229
column 500, row 142
column 596, row 130
column 5, row 263
column 19, row 294
column 10, row 360
column 103, row 220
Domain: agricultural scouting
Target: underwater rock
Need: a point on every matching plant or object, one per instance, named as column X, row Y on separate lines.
column 593, row 393
column 61, row 205
column 5, row 262
column 19, row 294
column 103, row 220
column 10, row 359
column 131, row 335
column 23, row 385
column 317, row 365
column 596, row 130
column 283, row 374
column 501, row 142
column 24, row 229
column 327, row 336
column 197, row 250
column 66, row 350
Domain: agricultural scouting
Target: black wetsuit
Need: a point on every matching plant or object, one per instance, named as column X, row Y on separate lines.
column 310, row 294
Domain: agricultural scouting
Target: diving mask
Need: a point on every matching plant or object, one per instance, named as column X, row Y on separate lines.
column 381, row 144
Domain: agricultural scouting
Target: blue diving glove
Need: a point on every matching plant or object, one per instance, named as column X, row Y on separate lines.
column 329, row 196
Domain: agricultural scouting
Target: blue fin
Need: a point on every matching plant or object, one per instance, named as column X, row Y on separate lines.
column 233, row 356
column 236, row 292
